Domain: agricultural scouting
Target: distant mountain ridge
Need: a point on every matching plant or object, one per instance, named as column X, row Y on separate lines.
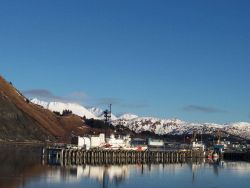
column 128, row 116
column 179, row 127
column 22, row 119
column 151, row 124
column 98, row 112
column 60, row 106
column 77, row 109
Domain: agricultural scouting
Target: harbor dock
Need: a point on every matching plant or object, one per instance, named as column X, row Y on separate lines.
column 64, row 156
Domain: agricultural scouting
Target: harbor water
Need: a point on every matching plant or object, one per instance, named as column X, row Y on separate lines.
column 22, row 167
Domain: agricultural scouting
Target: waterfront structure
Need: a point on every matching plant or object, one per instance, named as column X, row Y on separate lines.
column 81, row 142
column 119, row 142
column 139, row 144
column 88, row 142
column 198, row 146
column 97, row 140
column 121, row 156
column 155, row 143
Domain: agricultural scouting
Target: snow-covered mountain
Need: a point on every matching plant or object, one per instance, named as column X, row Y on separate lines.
column 158, row 126
column 241, row 129
column 154, row 125
column 77, row 109
column 60, row 106
column 113, row 117
column 128, row 116
column 98, row 112
column 179, row 127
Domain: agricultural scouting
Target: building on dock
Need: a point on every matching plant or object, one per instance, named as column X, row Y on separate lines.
column 139, row 144
column 97, row 140
column 155, row 142
column 81, row 142
column 88, row 142
column 198, row 146
column 118, row 142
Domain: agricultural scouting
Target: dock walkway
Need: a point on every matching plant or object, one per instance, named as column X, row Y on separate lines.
column 79, row 156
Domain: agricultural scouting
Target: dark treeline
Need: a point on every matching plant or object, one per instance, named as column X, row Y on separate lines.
column 64, row 113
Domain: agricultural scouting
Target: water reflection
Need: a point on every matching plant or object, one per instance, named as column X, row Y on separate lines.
column 97, row 173
column 22, row 167
column 17, row 164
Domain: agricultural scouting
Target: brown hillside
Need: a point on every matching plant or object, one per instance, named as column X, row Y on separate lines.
column 21, row 120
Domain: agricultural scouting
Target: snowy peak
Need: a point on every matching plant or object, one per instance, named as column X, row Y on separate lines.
column 239, row 125
column 178, row 127
column 154, row 125
column 128, row 116
column 60, row 106
column 239, row 128
column 39, row 102
column 113, row 117
column 96, row 111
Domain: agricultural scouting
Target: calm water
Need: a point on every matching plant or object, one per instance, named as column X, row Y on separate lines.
column 22, row 168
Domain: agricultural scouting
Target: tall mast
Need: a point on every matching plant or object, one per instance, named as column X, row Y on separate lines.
column 107, row 118
column 110, row 105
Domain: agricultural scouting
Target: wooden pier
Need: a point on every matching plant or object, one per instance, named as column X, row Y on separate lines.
column 62, row 156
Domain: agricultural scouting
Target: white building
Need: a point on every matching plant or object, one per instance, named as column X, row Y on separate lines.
column 97, row 141
column 81, row 142
column 88, row 142
column 198, row 145
column 120, row 142
column 155, row 142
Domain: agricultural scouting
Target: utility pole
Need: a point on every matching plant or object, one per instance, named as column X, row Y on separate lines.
column 107, row 118
column 107, row 115
column 110, row 105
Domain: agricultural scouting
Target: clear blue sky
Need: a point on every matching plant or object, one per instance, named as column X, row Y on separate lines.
column 184, row 59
